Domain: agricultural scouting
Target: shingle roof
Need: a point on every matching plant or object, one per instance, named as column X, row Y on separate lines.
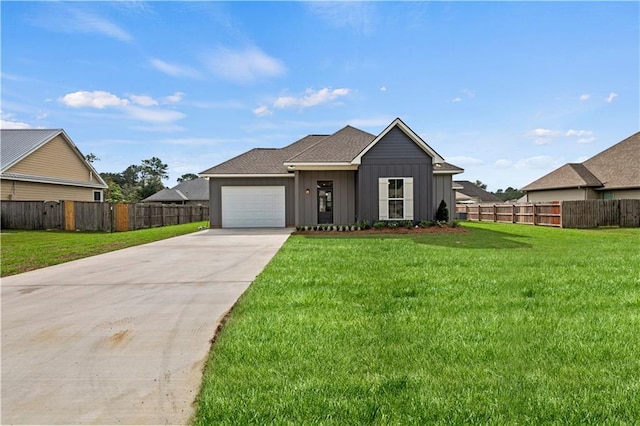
column 16, row 144
column 264, row 160
column 190, row 190
column 471, row 190
column 615, row 167
column 341, row 147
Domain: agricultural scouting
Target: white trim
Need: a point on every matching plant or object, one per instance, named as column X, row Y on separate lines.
column 321, row 166
column 383, row 198
column 239, row 175
column 435, row 157
column 447, row 172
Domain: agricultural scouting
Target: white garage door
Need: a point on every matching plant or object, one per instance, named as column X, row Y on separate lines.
column 253, row 206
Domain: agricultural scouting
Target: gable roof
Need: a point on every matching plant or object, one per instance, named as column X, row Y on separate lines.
column 615, row 167
column 18, row 144
column 343, row 149
column 190, row 190
column 436, row 158
column 471, row 190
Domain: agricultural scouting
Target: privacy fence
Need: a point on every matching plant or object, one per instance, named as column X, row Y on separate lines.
column 90, row 216
column 565, row 214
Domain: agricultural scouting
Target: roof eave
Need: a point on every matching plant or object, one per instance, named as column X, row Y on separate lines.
column 52, row 181
column 321, row 166
column 245, row 175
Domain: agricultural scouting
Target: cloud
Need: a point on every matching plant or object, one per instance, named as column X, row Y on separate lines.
column 465, row 161
column 469, row 93
column 139, row 107
column 173, row 69
column 572, row 132
column 73, row 19
column 611, row 97
column 143, row 100
column 542, row 136
column 539, row 162
column 359, row 16
column 7, row 122
column 586, row 140
column 173, row 99
column 96, row 99
column 503, row 163
column 262, row 111
column 310, row 98
column 585, row 96
column 456, row 99
column 243, row 66
column 383, row 89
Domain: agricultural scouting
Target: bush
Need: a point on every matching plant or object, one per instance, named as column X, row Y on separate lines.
column 425, row 224
column 442, row 215
column 378, row 225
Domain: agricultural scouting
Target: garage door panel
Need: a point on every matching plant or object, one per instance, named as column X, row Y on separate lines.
column 253, row 206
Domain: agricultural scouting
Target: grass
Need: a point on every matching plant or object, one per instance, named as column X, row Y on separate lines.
column 505, row 324
column 24, row 251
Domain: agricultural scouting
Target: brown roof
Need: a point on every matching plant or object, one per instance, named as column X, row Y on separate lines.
column 264, row 160
column 341, row 147
column 471, row 190
column 615, row 167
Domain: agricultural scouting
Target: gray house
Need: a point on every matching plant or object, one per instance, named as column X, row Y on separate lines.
column 343, row 178
column 194, row 191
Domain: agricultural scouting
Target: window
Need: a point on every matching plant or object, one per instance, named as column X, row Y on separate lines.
column 607, row 195
column 395, row 196
column 97, row 196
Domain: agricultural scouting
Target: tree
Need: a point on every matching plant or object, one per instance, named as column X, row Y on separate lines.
column 479, row 184
column 91, row 157
column 442, row 214
column 136, row 182
column 509, row 194
column 186, row 177
column 152, row 172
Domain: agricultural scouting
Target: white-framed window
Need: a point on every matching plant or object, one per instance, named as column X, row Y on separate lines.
column 97, row 196
column 395, row 198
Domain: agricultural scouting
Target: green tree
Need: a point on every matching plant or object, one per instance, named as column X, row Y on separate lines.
column 479, row 184
column 442, row 214
column 186, row 177
column 152, row 172
column 91, row 157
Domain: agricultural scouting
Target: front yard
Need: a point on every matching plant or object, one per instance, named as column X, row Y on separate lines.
column 504, row 324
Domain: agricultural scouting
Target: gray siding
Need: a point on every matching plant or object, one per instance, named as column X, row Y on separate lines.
column 443, row 191
column 395, row 155
column 215, row 195
column 344, row 203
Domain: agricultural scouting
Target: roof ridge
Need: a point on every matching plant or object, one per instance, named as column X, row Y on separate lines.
column 310, row 146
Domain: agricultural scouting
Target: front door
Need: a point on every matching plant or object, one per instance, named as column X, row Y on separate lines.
column 325, row 201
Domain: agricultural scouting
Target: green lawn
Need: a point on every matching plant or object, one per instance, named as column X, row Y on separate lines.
column 505, row 324
column 27, row 250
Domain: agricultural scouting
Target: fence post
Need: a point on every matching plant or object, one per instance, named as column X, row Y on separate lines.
column 535, row 214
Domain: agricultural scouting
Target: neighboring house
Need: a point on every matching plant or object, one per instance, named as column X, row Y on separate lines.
column 194, row 191
column 39, row 164
column 469, row 193
column 343, row 178
column 613, row 173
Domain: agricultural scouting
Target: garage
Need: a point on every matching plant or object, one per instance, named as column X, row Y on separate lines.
column 253, row 206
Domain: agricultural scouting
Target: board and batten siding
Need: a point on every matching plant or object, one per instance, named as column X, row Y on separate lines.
column 443, row 191
column 395, row 155
column 34, row 191
column 344, row 203
column 215, row 195
column 55, row 159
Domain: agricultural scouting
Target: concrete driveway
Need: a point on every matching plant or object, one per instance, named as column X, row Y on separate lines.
column 122, row 338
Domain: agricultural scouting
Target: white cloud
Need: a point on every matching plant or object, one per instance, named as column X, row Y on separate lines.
column 456, row 99
column 143, row 100
column 542, row 136
column 262, row 111
column 383, row 89
column 465, row 161
column 611, row 97
column 310, row 98
column 64, row 17
column 173, row 69
column 503, row 163
column 96, row 99
column 8, row 124
column 173, row 99
column 539, row 162
column 585, row 96
column 243, row 66
column 153, row 115
column 469, row 93
column 586, row 140
column 572, row 132
column 358, row 16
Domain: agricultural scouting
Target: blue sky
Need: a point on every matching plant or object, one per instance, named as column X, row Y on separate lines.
column 507, row 90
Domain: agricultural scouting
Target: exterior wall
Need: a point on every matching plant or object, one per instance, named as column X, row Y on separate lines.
column 570, row 194
column 33, row 191
column 396, row 155
column 344, row 200
column 55, row 159
column 215, row 195
column 443, row 191
column 623, row 194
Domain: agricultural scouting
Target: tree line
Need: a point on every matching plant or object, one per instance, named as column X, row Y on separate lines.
column 505, row 195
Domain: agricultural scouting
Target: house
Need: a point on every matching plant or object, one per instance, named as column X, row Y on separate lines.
column 469, row 193
column 194, row 191
column 343, row 178
column 612, row 174
column 45, row 164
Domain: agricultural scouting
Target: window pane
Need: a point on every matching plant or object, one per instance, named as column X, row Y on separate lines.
column 395, row 188
column 396, row 209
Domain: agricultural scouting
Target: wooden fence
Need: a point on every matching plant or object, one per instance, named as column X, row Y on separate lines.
column 91, row 216
column 565, row 214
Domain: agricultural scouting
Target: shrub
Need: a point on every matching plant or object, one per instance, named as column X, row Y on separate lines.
column 364, row 224
column 425, row 224
column 442, row 214
column 378, row 225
